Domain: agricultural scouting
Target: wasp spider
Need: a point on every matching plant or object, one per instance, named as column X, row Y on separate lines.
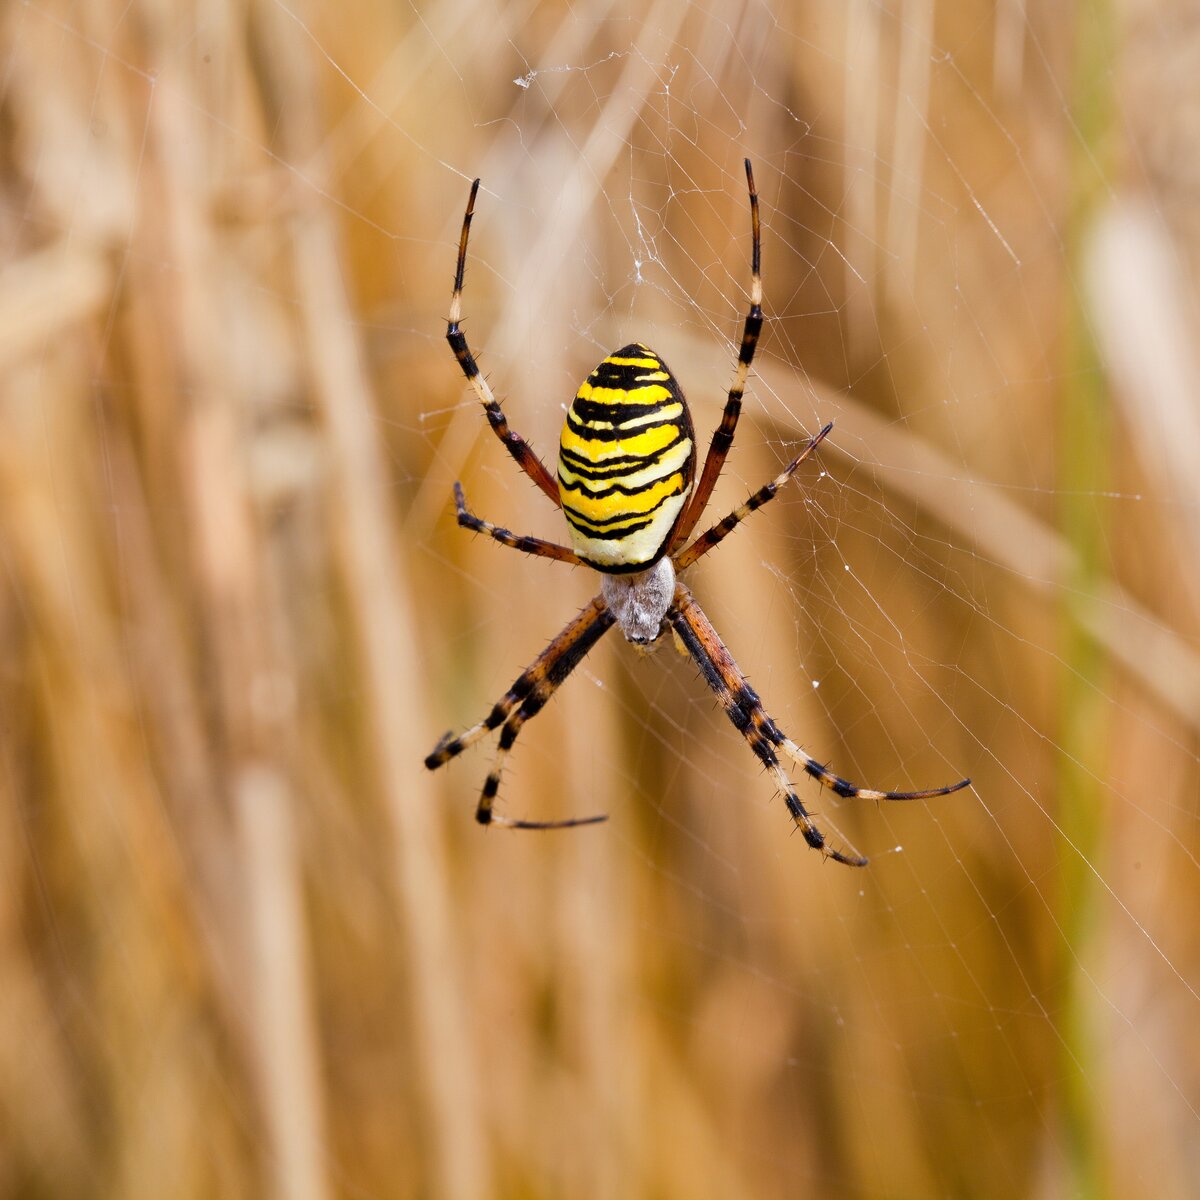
column 626, row 469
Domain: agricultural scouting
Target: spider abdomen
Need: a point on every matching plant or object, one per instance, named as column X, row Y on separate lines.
column 626, row 461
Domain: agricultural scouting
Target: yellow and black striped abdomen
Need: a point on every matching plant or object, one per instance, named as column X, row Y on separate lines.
column 625, row 461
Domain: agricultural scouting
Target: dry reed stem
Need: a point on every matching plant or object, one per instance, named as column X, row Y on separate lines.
column 383, row 623
column 1145, row 315
column 861, row 234
column 383, row 617
column 242, row 627
column 45, row 294
column 910, row 119
column 1008, row 48
column 281, row 992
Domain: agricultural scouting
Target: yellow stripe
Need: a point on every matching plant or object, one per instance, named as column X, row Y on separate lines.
column 597, row 508
column 652, row 363
column 652, row 393
column 640, row 444
column 667, row 463
column 630, row 425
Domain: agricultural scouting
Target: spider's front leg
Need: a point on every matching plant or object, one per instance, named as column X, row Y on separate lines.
column 744, row 708
column 528, row 694
column 512, row 441
column 528, row 545
column 722, row 439
column 723, row 528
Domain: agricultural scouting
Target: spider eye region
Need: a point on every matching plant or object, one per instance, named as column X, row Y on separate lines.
column 626, row 461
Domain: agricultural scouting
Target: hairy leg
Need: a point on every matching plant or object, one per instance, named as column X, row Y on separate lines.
column 744, row 708
column 722, row 438
column 530, row 545
column 527, row 696
column 722, row 529
column 516, row 445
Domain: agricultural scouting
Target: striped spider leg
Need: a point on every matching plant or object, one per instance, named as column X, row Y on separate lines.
column 529, row 545
column 512, row 441
column 723, row 528
column 744, row 708
column 528, row 694
column 722, row 438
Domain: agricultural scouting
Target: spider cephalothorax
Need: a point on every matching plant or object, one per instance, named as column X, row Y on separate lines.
column 626, row 486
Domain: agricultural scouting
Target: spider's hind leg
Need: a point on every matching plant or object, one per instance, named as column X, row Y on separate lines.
column 843, row 787
column 744, row 708
column 526, row 698
column 484, row 812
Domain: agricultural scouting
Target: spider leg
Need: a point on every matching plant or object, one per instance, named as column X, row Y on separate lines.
column 722, row 438
column 530, row 545
column 844, row 787
column 484, row 812
column 528, row 694
column 744, row 708
column 512, row 441
column 722, row 529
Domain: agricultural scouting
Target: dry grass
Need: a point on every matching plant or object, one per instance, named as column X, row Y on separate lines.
column 249, row 946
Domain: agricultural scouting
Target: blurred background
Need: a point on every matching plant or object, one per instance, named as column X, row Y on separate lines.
column 250, row 947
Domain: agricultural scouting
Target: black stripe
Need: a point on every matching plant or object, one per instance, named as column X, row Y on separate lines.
column 600, row 474
column 629, row 379
column 615, row 435
column 637, row 350
column 612, row 370
column 753, row 328
column 616, row 413
column 614, row 535
column 620, row 488
column 621, row 464
column 617, row 462
column 625, row 491
column 607, row 482
column 601, row 523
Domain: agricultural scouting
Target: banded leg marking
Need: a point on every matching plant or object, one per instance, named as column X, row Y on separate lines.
column 843, row 787
column 722, row 438
column 744, row 708
column 484, row 812
column 512, row 441
column 528, row 694
column 530, row 545
column 722, row 529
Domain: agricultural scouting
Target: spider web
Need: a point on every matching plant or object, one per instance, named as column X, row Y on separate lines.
column 249, row 939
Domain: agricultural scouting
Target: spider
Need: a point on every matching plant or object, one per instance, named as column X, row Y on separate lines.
column 626, row 465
